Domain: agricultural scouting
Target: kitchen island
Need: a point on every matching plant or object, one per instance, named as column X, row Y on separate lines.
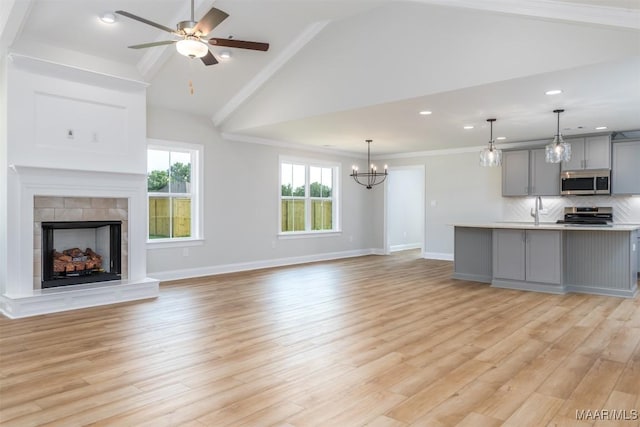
column 549, row 257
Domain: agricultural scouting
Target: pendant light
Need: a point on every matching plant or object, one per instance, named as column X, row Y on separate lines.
column 491, row 156
column 558, row 150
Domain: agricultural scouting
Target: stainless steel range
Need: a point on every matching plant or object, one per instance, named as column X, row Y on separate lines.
column 587, row 216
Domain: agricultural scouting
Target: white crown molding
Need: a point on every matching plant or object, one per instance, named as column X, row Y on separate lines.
column 77, row 74
column 552, row 9
column 255, row 83
column 288, row 145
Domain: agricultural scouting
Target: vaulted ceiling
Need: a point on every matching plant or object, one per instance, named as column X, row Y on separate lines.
column 339, row 72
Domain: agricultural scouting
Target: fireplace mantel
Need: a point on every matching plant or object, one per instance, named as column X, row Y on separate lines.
column 20, row 299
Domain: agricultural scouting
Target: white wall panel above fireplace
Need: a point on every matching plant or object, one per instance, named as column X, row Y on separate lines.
column 75, row 125
column 56, row 122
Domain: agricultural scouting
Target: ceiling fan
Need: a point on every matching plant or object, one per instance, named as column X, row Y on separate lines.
column 191, row 35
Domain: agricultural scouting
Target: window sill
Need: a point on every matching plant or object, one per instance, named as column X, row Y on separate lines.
column 308, row 234
column 172, row 243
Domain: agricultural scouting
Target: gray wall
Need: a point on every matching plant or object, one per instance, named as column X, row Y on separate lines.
column 457, row 189
column 245, row 176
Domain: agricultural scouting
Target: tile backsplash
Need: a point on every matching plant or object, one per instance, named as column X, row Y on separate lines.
column 626, row 210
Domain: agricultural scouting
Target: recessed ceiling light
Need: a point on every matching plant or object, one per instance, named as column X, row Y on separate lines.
column 108, row 18
column 468, row 127
column 500, row 138
column 225, row 54
column 553, row 92
column 601, row 128
column 425, row 113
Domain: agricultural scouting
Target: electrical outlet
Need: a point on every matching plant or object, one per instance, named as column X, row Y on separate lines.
column 185, row 251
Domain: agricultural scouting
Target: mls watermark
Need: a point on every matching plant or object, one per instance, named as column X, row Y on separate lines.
column 607, row 414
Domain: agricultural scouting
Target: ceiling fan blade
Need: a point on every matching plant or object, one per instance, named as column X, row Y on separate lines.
column 144, row 45
column 211, row 20
column 239, row 44
column 209, row 59
column 145, row 21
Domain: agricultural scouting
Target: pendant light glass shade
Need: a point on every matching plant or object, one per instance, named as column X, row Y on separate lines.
column 557, row 150
column 491, row 156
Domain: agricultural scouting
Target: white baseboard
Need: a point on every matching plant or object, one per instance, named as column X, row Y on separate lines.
column 437, row 255
column 255, row 265
column 405, row 247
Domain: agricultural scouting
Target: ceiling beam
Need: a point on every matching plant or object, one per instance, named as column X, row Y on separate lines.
column 13, row 14
column 266, row 73
column 553, row 9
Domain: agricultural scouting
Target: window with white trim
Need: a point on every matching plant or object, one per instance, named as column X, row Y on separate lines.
column 308, row 197
column 173, row 191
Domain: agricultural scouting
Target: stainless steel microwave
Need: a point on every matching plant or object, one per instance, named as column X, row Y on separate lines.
column 586, row 182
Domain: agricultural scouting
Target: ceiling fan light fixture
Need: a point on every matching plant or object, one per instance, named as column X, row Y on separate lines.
column 108, row 18
column 192, row 47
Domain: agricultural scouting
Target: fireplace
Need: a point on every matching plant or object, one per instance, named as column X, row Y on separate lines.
column 76, row 252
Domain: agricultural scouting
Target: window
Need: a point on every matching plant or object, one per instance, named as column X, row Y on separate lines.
column 173, row 191
column 308, row 197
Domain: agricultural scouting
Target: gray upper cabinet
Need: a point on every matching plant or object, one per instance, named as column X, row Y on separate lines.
column 592, row 152
column 525, row 173
column 544, row 177
column 625, row 174
column 515, row 173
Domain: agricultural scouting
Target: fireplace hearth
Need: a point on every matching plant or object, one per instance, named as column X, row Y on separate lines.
column 77, row 252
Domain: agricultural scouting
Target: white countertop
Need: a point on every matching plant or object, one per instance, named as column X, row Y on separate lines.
column 550, row 226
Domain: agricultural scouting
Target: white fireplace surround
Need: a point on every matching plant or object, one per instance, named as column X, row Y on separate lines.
column 20, row 299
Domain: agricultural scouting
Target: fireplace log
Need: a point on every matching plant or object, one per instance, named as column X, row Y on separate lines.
column 74, row 259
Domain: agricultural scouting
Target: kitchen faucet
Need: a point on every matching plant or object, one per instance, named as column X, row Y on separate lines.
column 536, row 213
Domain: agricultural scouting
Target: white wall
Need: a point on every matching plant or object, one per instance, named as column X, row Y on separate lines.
column 3, row 174
column 241, row 204
column 108, row 125
column 405, row 207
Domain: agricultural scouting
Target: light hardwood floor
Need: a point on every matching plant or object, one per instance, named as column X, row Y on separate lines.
column 378, row 341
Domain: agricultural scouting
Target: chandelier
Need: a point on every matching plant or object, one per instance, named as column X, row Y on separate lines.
column 491, row 156
column 557, row 150
column 372, row 177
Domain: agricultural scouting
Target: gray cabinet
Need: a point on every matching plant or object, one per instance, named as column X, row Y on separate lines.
column 472, row 254
column 592, row 152
column 508, row 254
column 515, row 173
column 625, row 173
column 528, row 256
column 526, row 173
column 544, row 177
column 543, row 256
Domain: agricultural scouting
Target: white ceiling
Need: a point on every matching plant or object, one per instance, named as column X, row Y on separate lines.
column 342, row 71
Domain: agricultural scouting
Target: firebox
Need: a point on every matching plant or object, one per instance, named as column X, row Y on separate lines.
column 76, row 252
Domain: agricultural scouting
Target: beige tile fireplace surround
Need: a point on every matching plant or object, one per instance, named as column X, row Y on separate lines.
column 52, row 208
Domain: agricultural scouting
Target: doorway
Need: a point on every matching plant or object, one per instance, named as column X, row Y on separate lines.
column 405, row 209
